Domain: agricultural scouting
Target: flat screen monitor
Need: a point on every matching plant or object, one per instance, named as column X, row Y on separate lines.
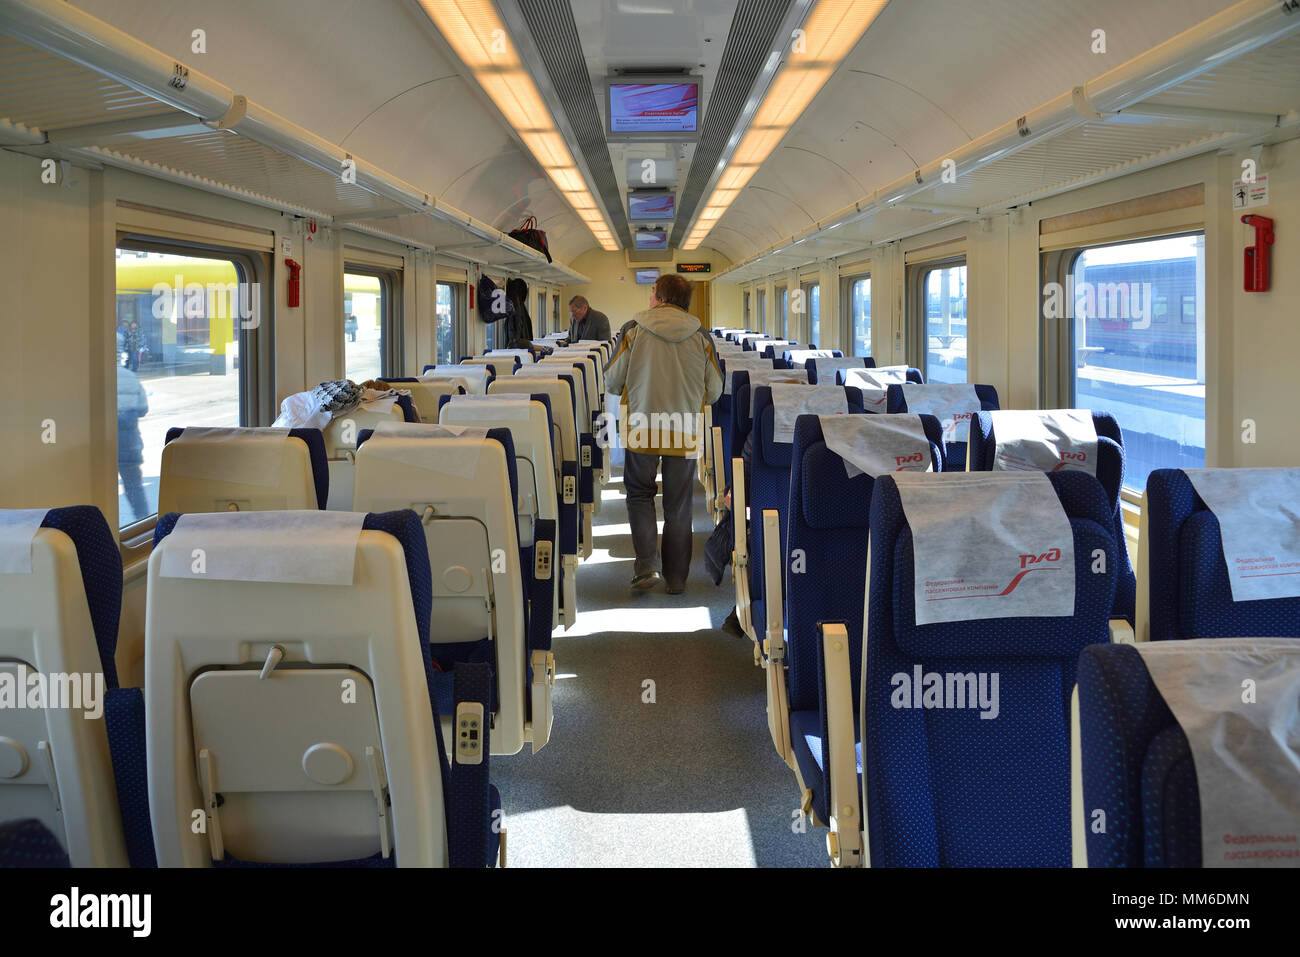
column 646, row 277
column 651, row 206
column 667, row 107
column 650, row 239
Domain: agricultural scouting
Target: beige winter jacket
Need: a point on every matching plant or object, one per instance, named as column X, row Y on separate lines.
column 666, row 370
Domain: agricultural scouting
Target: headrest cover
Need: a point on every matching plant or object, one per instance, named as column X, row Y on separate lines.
column 759, row 377
column 406, row 444
column 878, row 444
column 475, row 376
column 1237, row 701
column 827, row 367
column 952, row 404
column 1259, row 521
column 791, row 401
column 506, row 406
column 988, row 545
column 206, row 453
column 302, row 547
column 1052, row 440
column 743, row 363
column 18, row 527
column 874, row 384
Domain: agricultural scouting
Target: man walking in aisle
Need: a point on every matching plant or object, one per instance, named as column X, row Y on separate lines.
column 666, row 371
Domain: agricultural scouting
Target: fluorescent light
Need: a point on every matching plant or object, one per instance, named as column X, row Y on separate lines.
column 832, row 29
column 479, row 38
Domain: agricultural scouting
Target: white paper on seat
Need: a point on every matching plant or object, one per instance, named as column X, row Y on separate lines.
column 1238, row 702
column 18, row 526
column 827, row 367
column 1052, row 440
column 509, row 407
column 1259, row 521
column 476, row 376
column 878, row 444
column 307, row 547
column 758, row 377
column 791, row 401
column 210, row 453
column 800, row 356
column 952, row 404
column 874, row 384
column 743, row 363
column 433, row 378
column 524, row 355
column 372, row 400
column 988, row 545
column 391, row 441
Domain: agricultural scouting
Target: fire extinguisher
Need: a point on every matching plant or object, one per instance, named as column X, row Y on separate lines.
column 295, row 282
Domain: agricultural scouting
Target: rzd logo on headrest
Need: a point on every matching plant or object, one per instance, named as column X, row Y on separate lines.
column 1051, row 556
column 902, row 460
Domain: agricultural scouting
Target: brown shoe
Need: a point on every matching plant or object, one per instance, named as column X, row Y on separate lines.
column 646, row 582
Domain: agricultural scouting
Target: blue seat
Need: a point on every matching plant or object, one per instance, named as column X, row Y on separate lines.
column 769, row 488
column 981, row 455
column 955, row 455
column 1184, row 575
column 827, row 524
column 26, row 842
column 944, row 787
column 1136, row 766
column 842, row 361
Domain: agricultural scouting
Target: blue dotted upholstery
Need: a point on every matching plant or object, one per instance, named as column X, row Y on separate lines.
column 1137, row 766
column 1190, row 596
column 828, row 520
column 1110, row 473
column 315, row 443
column 955, row 454
column 101, row 575
column 124, row 720
column 26, row 842
column 947, row 788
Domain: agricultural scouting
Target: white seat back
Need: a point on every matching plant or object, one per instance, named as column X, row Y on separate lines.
column 245, row 470
column 282, row 759
column 460, row 487
column 340, row 450
column 426, row 394
column 562, row 411
column 54, row 761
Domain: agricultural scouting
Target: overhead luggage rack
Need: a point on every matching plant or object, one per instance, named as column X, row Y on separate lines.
column 64, row 73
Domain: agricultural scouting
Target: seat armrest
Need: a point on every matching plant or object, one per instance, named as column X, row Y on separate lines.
column 844, row 842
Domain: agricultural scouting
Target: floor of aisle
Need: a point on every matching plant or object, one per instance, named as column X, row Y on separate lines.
column 660, row 754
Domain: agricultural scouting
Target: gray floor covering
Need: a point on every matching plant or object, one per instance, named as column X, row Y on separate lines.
column 690, row 780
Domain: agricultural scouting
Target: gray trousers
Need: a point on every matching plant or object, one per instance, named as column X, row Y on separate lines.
column 679, row 502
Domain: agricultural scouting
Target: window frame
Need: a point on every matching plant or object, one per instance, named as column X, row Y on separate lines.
column 807, row 287
column 1058, row 372
column 459, row 314
column 256, row 348
column 916, row 325
column 848, row 333
column 391, row 326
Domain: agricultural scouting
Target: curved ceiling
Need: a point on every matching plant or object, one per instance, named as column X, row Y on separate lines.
column 928, row 76
column 409, row 111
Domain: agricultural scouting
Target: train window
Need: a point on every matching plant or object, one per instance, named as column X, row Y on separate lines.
column 541, row 314
column 783, row 312
column 1130, row 360
column 939, row 304
column 857, row 292
column 367, row 323
column 812, row 296
column 450, row 318
column 185, row 354
column 762, row 311
column 744, row 309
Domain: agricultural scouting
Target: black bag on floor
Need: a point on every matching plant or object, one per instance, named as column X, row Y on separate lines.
column 717, row 550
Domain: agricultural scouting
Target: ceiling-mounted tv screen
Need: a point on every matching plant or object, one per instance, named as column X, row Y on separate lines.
column 651, row 206
column 654, row 107
column 646, row 277
column 650, row 239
